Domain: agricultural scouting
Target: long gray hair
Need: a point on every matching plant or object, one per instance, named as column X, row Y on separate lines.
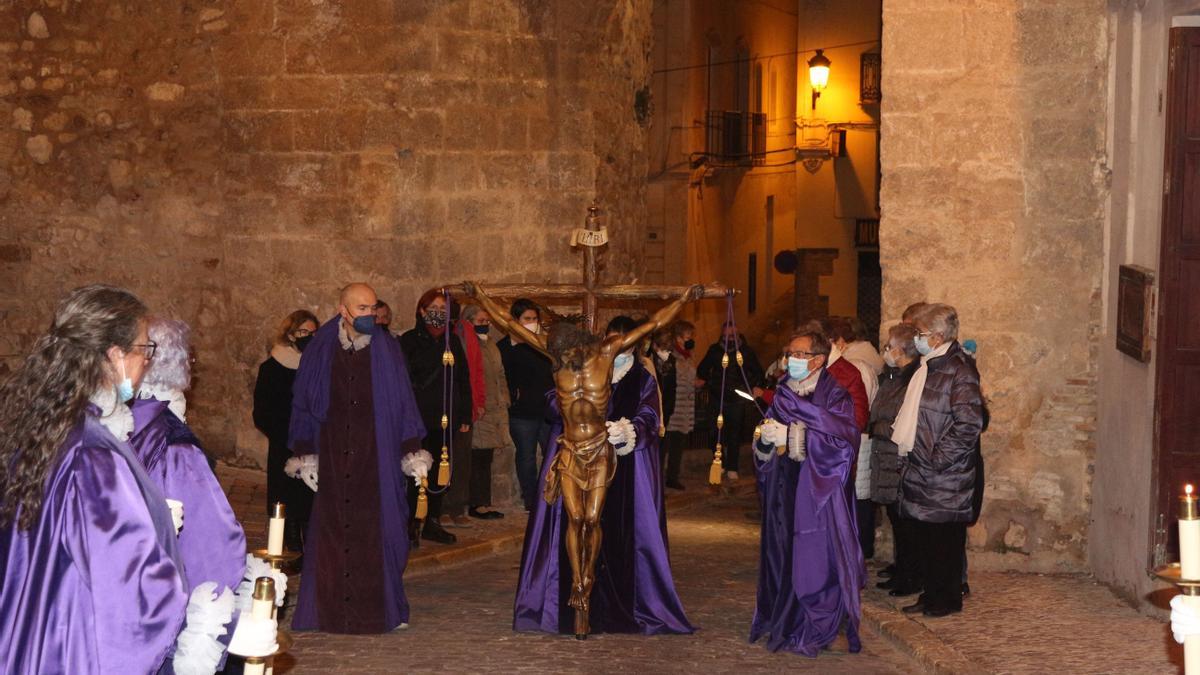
column 171, row 367
column 46, row 396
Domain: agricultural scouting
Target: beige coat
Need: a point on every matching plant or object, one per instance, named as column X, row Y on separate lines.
column 491, row 430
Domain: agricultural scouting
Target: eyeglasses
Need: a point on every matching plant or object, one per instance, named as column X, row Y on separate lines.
column 806, row 355
column 148, row 349
column 302, row 332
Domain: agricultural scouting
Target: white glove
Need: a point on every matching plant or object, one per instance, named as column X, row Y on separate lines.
column 797, row 441
column 1185, row 619
column 176, row 507
column 257, row 567
column 622, row 436
column 254, row 637
column 303, row 467
column 197, row 650
column 417, row 465
column 763, row 457
column 773, row 433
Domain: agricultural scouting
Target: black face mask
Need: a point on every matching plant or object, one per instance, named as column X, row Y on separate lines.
column 689, row 345
column 302, row 342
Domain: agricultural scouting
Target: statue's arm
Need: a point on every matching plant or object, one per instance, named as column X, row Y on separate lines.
column 660, row 318
column 501, row 318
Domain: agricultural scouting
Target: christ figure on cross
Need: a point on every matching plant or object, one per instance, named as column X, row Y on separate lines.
column 586, row 460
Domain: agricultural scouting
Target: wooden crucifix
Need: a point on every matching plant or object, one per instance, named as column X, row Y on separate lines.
column 585, row 461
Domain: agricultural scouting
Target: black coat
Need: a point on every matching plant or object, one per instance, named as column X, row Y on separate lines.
column 709, row 370
column 423, row 354
column 937, row 483
column 885, row 456
column 665, row 370
column 529, row 376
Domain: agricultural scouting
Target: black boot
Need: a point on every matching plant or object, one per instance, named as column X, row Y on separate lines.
column 436, row 533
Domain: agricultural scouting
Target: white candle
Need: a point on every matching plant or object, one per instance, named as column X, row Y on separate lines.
column 254, row 667
column 275, row 533
column 1189, row 568
column 263, row 599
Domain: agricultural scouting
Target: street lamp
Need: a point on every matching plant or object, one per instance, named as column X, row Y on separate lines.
column 818, row 75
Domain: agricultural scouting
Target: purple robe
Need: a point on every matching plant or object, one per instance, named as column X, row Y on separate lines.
column 212, row 544
column 95, row 585
column 634, row 590
column 811, row 568
column 398, row 429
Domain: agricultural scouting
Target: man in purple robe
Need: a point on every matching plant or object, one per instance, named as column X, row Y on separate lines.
column 634, row 591
column 811, row 568
column 212, row 544
column 354, row 421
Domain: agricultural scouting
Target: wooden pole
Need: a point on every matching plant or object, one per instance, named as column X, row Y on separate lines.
column 592, row 224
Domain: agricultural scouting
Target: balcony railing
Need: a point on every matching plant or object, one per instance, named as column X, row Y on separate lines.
column 736, row 138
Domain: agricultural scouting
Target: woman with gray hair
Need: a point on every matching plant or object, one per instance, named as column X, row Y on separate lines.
column 935, row 432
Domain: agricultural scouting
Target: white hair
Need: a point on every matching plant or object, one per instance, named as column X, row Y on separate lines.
column 170, row 368
column 939, row 318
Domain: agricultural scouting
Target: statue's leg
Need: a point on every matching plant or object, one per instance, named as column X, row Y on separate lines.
column 593, row 534
column 572, row 496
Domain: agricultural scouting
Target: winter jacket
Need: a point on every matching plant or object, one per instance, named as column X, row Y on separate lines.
column 938, row 481
column 529, row 377
column 683, row 416
column 709, row 370
column 491, row 430
column 423, row 354
column 885, row 456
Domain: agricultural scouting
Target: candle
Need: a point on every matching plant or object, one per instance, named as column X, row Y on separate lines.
column 1189, row 568
column 263, row 598
column 254, row 667
column 275, row 533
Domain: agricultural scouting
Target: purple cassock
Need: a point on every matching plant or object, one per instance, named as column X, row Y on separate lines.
column 212, row 544
column 95, row 586
column 354, row 408
column 634, row 590
column 811, row 567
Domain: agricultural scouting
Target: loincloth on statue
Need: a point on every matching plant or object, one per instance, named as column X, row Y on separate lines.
column 588, row 464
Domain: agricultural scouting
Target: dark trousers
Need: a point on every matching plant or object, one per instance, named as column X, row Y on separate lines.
column 864, row 514
column 940, row 547
column 731, row 432
column 461, row 470
column 908, row 573
column 527, row 435
column 672, row 451
column 481, row 477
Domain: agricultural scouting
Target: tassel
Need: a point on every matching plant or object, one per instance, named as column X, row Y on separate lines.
column 448, row 358
column 422, row 502
column 445, row 421
column 444, row 468
column 714, row 471
column 724, row 360
column 740, row 361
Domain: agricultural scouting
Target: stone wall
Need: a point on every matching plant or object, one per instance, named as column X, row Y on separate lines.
column 231, row 161
column 993, row 193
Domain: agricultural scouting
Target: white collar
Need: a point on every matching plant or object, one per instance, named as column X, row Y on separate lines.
column 174, row 398
column 357, row 343
column 114, row 415
column 807, row 385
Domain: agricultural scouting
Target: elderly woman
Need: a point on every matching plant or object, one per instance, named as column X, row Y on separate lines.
column 273, row 415
column 212, row 546
column 491, row 408
column 901, row 358
column 91, row 579
column 937, row 429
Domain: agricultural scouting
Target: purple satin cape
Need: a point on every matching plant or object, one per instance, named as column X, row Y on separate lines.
column 811, row 568
column 96, row 585
column 212, row 544
column 396, row 420
column 634, row 590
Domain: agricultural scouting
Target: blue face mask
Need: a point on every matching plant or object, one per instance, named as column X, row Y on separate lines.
column 922, row 343
column 365, row 324
column 483, row 330
column 623, row 360
column 797, row 368
column 124, row 387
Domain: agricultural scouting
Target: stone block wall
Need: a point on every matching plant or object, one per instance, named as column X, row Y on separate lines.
column 993, row 200
column 232, row 161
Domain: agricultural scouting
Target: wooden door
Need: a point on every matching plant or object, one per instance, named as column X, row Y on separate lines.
column 1178, row 357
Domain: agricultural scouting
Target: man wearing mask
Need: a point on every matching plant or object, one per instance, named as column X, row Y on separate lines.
column 529, row 376
column 356, row 425
column 734, row 410
column 811, row 569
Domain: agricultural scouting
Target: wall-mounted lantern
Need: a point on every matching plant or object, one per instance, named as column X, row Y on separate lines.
column 818, row 75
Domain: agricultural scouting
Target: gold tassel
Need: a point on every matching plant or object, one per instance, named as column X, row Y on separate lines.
column 422, row 502
column 714, row 471
column 445, row 421
column 740, row 361
column 448, row 358
column 725, row 360
column 444, row 468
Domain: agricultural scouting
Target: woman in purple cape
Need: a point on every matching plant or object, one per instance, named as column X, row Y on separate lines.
column 90, row 578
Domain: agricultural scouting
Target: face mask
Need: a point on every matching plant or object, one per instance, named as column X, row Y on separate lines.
column 623, row 360
column 435, row 318
column 365, row 324
column 125, row 386
column 923, row 345
column 797, row 368
column 689, row 345
column 302, row 342
column 482, row 330
column 533, row 327
column 888, row 359
column 662, row 354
